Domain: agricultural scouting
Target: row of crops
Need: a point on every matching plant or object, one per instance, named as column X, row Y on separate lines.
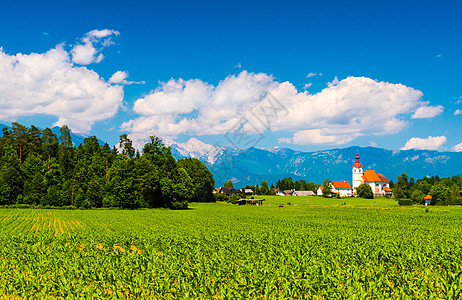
column 221, row 251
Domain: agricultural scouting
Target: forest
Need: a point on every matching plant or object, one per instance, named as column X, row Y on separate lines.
column 444, row 191
column 39, row 168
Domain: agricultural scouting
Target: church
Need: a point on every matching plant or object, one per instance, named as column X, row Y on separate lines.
column 379, row 184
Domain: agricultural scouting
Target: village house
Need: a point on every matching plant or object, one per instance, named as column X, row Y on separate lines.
column 379, row 184
column 428, row 200
column 248, row 192
column 319, row 191
column 279, row 192
column 288, row 192
column 341, row 188
column 228, row 191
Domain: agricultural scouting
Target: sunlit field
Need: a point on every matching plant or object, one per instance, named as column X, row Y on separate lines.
column 317, row 249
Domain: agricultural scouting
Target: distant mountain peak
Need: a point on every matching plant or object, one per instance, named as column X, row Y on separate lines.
column 252, row 165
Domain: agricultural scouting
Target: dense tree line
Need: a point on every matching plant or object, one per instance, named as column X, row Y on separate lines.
column 37, row 167
column 299, row 185
column 444, row 191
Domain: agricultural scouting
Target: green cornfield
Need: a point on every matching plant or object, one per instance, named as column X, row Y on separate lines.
column 224, row 251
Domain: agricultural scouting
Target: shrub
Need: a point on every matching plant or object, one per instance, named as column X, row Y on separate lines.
column 221, row 197
column 404, row 202
column 233, row 199
column 365, row 191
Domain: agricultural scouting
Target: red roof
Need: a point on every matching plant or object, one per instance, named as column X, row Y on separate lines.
column 383, row 178
column 341, row 184
column 387, row 189
column 357, row 163
column 428, row 197
column 370, row 175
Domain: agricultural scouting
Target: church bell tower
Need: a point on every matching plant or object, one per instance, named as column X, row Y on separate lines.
column 357, row 172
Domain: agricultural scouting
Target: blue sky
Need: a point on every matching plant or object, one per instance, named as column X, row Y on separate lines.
column 362, row 73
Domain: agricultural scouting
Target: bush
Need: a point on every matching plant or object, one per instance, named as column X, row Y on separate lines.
column 405, row 202
column 417, row 196
column 365, row 191
column 233, row 199
column 221, row 197
column 180, row 205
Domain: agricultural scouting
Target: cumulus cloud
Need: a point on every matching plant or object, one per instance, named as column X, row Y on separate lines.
column 424, row 112
column 120, row 77
column 343, row 111
column 458, row 148
column 92, row 43
column 457, row 112
column 333, row 83
column 49, row 83
column 430, row 143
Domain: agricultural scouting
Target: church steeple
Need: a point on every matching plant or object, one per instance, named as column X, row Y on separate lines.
column 357, row 163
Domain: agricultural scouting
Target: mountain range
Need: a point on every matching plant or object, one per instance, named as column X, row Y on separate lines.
column 252, row 165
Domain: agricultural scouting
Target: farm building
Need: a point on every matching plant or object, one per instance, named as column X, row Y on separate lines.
column 303, row 193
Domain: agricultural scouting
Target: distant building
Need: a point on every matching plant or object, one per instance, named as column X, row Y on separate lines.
column 248, row 192
column 319, row 191
column 342, row 188
column 428, row 200
column 279, row 192
column 229, row 191
column 288, row 192
column 379, row 184
column 303, row 193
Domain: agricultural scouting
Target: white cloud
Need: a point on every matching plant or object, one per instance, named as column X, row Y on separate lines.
column 120, row 77
column 307, row 86
column 86, row 53
column 458, row 148
column 430, row 143
column 333, row 83
column 457, row 112
column 353, row 107
column 428, row 111
column 438, row 55
column 311, row 74
column 48, row 83
column 101, row 33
